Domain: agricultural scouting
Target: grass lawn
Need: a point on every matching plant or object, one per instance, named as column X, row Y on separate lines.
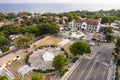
column 45, row 76
column 49, row 40
column 29, row 76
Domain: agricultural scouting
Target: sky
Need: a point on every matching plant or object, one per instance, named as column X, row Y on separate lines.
column 62, row 1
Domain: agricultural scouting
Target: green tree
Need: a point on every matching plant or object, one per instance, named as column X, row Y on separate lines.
column 70, row 17
column 3, row 78
column 60, row 62
column 23, row 41
column 48, row 28
column 4, row 41
column 79, row 48
column 106, row 30
column 105, row 20
column 117, row 49
column 118, row 42
column 11, row 16
column 34, row 29
column 37, row 77
column 109, row 38
column 24, row 13
column 2, row 16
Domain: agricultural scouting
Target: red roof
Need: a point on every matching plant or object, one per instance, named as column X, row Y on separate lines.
column 96, row 37
column 89, row 21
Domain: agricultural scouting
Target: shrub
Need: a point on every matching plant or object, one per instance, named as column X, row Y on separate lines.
column 43, row 71
column 27, row 59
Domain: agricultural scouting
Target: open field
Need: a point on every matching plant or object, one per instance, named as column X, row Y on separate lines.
column 49, row 40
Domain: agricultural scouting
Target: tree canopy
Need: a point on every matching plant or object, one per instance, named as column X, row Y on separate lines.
column 60, row 62
column 106, row 30
column 23, row 41
column 80, row 48
column 118, row 42
column 48, row 28
column 3, row 78
column 109, row 37
column 4, row 41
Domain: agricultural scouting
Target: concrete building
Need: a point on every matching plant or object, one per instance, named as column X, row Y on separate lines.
column 115, row 25
column 90, row 25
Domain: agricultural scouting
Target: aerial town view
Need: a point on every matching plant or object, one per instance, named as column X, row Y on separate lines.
column 59, row 40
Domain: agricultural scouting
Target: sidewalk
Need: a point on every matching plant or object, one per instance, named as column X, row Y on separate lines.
column 112, row 70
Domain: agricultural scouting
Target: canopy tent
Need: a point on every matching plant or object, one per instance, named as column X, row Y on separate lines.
column 48, row 56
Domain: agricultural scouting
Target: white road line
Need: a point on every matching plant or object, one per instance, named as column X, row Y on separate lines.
column 84, row 69
column 91, row 68
column 74, row 68
column 103, row 75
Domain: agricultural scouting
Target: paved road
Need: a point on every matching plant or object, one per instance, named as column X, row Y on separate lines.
column 95, row 67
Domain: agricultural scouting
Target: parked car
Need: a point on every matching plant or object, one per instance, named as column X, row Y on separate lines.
column 91, row 43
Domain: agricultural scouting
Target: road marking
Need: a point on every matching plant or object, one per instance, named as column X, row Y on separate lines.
column 74, row 67
column 85, row 69
column 91, row 68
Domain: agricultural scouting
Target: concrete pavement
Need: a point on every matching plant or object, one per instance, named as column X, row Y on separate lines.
column 96, row 67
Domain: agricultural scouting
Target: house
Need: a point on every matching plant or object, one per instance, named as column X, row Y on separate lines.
column 115, row 25
column 64, row 18
column 37, row 14
column 8, row 22
column 19, row 20
column 12, row 37
column 1, row 24
column 71, row 24
column 90, row 25
column 97, row 37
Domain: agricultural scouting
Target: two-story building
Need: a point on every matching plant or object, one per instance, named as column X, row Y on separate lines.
column 90, row 25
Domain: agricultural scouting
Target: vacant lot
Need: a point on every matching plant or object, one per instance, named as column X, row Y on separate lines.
column 49, row 40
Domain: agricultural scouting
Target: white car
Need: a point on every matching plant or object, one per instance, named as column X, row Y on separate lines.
column 91, row 43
